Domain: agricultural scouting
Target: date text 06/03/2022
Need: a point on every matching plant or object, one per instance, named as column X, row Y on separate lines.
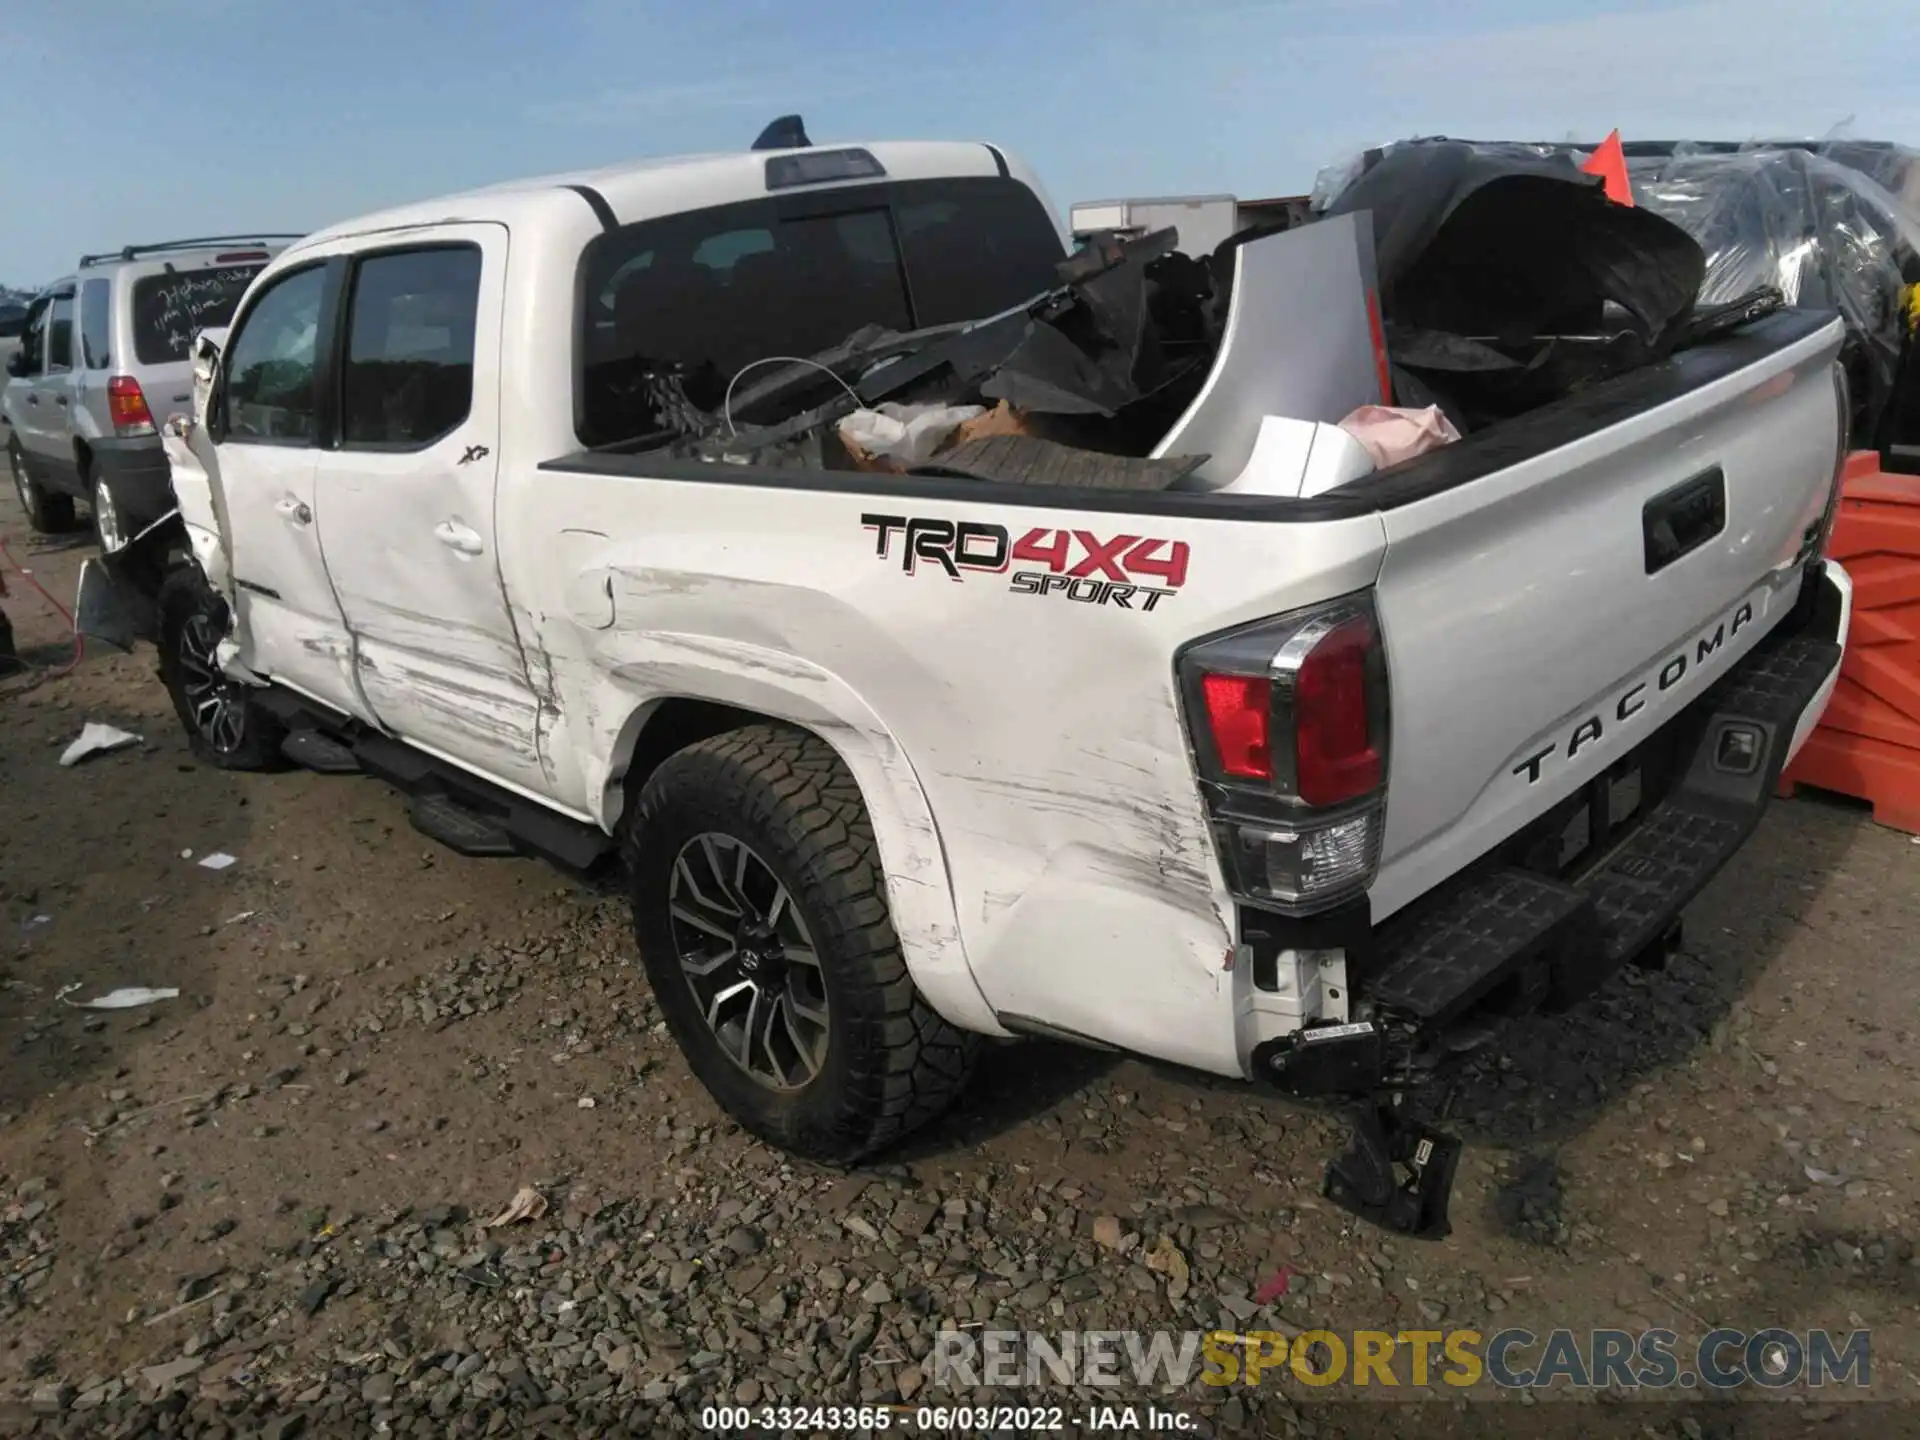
column 948, row 1419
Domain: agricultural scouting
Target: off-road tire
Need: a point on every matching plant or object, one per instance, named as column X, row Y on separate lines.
column 891, row 1063
column 47, row 513
column 185, row 596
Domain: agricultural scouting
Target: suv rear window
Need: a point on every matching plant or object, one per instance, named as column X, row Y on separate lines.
column 711, row 290
column 169, row 307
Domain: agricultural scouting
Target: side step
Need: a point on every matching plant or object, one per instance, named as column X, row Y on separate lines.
column 314, row 751
column 1686, row 839
column 464, row 831
column 459, row 809
column 1554, row 941
column 1508, row 923
column 1667, row 861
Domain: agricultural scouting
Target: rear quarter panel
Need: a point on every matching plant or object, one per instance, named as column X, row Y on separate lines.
column 1022, row 753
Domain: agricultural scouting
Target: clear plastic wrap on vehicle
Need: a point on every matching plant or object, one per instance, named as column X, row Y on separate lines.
column 1825, row 232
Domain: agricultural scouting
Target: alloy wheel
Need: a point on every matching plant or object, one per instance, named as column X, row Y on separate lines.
column 747, row 956
column 106, row 518
column 212, row 698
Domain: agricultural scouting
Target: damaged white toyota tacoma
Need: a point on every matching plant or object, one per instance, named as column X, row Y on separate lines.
column 1125, row 701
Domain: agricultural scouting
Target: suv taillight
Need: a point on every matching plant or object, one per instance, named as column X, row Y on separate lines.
column 128, row 407
column 1289, row 721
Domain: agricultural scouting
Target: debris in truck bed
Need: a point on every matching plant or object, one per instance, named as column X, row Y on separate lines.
column 1474, row 241
column 1029, row 460
column 1105, row 361
column 1824, row 233
column 1828, row 224
column 1508, row 278
column 1392, row 434
column 899, row 437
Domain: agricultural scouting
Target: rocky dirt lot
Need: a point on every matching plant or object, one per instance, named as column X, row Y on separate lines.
column 259, row 1208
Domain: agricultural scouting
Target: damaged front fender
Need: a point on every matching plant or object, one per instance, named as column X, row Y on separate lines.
column 103, row 610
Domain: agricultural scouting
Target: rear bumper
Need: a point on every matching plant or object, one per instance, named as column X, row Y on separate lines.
column 135, row 470
column 1515, row 933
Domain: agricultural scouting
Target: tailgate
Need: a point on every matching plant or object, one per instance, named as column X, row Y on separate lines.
column 1554, row 596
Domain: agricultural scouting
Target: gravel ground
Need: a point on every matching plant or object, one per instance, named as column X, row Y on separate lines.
column 260, row 1208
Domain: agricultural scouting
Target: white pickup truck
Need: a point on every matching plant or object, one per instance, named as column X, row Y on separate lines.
column 1275, row 787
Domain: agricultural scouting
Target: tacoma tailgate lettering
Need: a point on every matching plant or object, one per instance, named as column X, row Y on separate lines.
column 1592, row 727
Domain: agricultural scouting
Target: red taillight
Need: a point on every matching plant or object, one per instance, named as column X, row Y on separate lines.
column 1336, row 757
column 1237, row 712
column 1289, row 722
column 127, row 405
column 235, row 256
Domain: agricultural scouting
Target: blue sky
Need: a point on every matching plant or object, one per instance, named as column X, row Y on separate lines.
column 125, row 120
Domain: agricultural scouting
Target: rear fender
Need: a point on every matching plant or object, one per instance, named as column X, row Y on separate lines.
column 634, row 673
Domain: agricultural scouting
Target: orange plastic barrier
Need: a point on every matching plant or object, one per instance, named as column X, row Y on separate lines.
column 1868, row 744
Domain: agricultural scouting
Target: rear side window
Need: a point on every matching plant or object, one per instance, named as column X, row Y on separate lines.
column 270, row 364
column 94, row 327
column 170, row 307
column 409, row 367
column 707, row 292
column 60, row 336
column 33, row 337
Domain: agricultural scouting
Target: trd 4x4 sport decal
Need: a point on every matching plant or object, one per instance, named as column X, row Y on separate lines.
column 1131, row 571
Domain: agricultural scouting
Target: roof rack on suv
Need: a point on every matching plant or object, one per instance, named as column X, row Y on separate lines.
column 131, row 252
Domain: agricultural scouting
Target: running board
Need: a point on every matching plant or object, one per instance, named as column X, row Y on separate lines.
column 464, row 831
column 319, row 753
column 463, row 812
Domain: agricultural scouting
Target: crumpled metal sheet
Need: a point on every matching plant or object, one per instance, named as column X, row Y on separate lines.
column 1131, row 320
column 1030, row 460
column 1480, row 241
column 1828, row 224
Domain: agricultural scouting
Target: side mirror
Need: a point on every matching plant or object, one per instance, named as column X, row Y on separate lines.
column 17, row 363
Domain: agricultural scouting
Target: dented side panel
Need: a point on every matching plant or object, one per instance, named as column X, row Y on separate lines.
column 413, row 550
column 1000, row 681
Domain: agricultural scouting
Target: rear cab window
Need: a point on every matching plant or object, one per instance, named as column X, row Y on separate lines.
column 169, row 306
column 706, row 292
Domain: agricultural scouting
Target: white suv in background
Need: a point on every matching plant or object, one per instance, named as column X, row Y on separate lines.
column 101, row 363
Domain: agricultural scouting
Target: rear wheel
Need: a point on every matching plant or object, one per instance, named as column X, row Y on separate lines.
column 47, row 513
column 225, row 725
column 761, row 914
column 109, row 520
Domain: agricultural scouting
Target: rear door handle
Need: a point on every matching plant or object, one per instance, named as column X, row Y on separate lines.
column 60, row 400
column 295, row 510
column 455, row 536
column 33, row 399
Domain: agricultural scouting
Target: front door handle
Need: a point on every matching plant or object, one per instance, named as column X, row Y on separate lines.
column 60, row 400
column 33, row 399
column 455, row 536
column 295, row 510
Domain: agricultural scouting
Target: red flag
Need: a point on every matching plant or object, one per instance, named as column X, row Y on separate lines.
column 1610, row 163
